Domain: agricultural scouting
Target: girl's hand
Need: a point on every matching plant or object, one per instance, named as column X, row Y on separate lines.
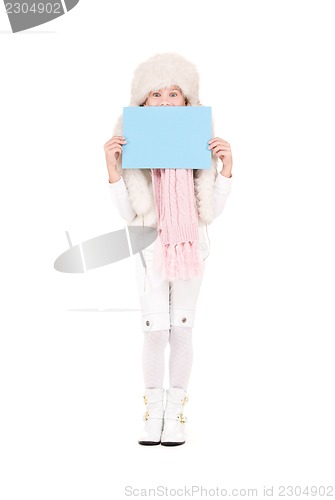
column 221, row 149
column 113, row 149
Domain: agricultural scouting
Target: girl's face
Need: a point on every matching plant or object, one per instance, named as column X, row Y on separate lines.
column 171, row 96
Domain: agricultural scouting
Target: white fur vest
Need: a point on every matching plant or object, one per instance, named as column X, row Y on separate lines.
column 139, row 186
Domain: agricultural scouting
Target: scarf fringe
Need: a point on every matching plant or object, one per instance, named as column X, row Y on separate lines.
column 179, row 261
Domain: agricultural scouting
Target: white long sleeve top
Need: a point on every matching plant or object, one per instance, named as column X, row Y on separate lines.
column 222, row 188
column 120, row 197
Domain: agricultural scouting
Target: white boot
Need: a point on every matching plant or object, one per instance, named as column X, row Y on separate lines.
column 174, row 420
column 154, row 401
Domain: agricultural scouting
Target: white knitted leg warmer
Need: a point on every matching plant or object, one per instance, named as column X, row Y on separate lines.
column 181, row 356
column 153, row 358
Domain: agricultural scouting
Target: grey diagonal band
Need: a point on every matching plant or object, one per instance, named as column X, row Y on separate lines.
column 30, row 13
column 105, row 249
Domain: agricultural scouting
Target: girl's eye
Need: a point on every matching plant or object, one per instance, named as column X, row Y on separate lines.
column 156, row 94
column 174, row 93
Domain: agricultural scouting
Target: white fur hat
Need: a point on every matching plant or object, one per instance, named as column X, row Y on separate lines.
column 161, row 71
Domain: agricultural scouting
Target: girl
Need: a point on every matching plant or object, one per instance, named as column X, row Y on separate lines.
column 179, row 203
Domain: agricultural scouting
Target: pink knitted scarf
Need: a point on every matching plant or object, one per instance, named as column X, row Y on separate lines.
column 177, row 255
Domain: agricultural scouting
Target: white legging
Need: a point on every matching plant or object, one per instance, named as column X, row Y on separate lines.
column 168, row 313
column 180, row 360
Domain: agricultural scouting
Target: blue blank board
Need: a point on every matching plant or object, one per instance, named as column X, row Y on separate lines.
column 167, row 137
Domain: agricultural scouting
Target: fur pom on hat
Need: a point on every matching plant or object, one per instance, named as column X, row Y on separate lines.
column 165, row 70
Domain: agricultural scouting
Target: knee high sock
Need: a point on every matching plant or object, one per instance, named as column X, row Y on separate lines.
column 153, row 358
column 181, row 356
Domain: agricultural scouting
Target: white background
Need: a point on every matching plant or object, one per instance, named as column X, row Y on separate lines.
column 261, row 408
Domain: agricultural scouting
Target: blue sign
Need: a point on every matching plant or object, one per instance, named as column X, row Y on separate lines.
column 167, row 137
